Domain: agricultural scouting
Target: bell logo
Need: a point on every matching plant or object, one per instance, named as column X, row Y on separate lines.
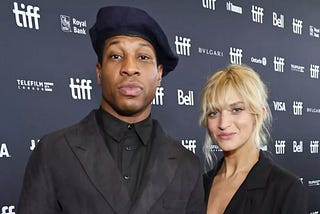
column 185, row 99
column 4, row 151
column 297, row 147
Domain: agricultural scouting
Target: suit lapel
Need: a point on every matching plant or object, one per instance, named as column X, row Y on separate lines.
column 159, row 172
column 89, row 146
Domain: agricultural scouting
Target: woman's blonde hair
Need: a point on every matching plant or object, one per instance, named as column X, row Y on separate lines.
column 252, row 90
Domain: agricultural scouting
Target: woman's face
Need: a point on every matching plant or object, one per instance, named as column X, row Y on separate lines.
column 232, row 126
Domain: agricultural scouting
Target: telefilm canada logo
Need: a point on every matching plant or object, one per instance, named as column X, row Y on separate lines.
column 73, row 25
column 34, row 85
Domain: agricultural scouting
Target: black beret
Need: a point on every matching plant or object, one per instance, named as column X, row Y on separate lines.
column 120, row 20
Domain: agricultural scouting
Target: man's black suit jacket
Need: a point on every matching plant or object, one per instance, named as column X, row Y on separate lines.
column 267, row 189
column 71, row 171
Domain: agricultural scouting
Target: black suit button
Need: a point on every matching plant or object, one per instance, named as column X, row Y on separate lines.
column 126, row 177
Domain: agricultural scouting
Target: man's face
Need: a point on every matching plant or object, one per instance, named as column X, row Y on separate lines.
column 129, row 76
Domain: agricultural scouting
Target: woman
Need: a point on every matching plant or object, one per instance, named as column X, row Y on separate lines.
column 236, row 115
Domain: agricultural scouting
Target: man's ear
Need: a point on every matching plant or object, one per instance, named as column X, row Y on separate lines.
column 160, row 70
column 99, row 72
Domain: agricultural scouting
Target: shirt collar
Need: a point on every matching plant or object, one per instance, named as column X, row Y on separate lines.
column 116, row 128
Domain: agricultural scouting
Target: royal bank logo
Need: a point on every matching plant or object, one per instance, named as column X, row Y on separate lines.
column 280, row 147
column 257, row 14
column 297, row 26
column 262, row 61
column 215, row 148
column 233, row 8
column 209, row 4
column 8, row 210
column 235, row 55
column 278, row 20
column 158, row 98
column 33, row 85
column 314, row 71
column 4, row 152
column 210, row 52
column 26, row 16
column 314, row 146
column 185, row 98
column 73, row 25
column 297, row 107
column 314, row 32
column 183, row 45
column 279, row 106
column 80, row 89
column 278, row 63
column 297, row 146
column 313, row 183
column 191, row 145
column 297, row 68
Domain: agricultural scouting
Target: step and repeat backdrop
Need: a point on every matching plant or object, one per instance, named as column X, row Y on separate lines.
column 48, row 80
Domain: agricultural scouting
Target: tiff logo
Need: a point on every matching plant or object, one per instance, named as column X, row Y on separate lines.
column 185, row 99
column 26, row 18
column 278, row 21
column 235, row 55
column 233, row 8
column 257, row 14
column 314, row 146
column 210, row 4
column 280, row 146
column 297, row 147
column 80, row 89
column 4, row 152
column 7, row 210
column 278, row 63
column 297, row 107
column 279, row 106
column 297, row 26
column 183, row 45
column 314, row 71
column 158, row 98
column 190, row 145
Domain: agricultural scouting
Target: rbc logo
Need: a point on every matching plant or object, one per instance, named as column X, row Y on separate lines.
column 7, row 210
column 185, row 99
column 28, row 17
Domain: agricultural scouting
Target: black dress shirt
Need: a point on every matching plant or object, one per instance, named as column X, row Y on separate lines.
column 129, row 145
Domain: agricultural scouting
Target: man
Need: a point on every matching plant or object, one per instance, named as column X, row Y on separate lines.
column 117, row 159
